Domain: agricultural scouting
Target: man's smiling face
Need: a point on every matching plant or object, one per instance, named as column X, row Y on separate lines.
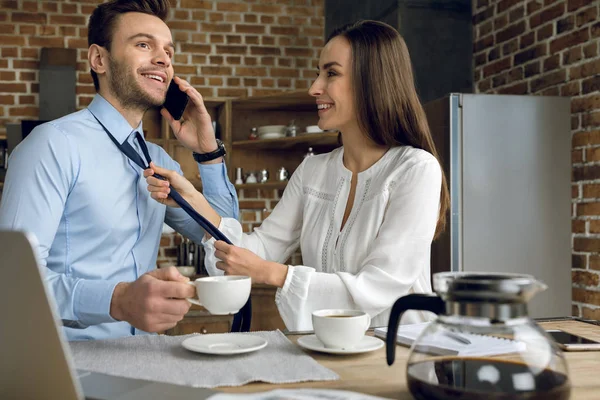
column 140, row 69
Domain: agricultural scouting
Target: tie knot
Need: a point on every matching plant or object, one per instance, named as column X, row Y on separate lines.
column 142, row 144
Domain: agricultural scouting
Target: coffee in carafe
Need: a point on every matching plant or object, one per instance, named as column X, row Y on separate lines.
column 484, row 378
column 481, row 308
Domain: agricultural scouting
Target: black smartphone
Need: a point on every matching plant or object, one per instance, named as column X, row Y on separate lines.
column 568, row 341
column 176, row 101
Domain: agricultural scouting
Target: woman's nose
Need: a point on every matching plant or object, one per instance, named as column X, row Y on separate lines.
column 315, row 89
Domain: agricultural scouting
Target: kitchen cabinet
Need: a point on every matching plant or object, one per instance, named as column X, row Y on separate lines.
column 272, row 154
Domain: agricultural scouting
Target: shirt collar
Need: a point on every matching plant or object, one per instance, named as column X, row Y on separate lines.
column 113, row 120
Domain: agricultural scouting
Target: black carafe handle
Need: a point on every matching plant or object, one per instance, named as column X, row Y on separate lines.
column 416, row 301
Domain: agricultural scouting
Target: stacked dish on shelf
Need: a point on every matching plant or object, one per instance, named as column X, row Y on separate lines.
column 279, row 131
column 271, row 131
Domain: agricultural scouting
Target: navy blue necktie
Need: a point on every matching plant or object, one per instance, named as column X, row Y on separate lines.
column 241, row 320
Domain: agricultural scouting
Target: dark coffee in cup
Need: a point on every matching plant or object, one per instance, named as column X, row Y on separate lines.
column 339, row 316
column 484, row 378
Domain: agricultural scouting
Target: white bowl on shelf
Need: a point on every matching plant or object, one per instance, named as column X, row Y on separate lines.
column 271, row 129
column 271, row 135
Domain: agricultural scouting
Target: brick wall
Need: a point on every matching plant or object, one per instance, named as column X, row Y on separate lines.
column 256, row 205
column 551, row 47
column 225, row 48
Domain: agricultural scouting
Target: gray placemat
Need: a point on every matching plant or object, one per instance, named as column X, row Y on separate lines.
column 161, row 358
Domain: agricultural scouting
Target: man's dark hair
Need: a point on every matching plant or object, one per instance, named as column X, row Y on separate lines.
column 103, row 20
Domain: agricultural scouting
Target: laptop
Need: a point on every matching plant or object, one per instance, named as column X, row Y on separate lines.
column 35, row 359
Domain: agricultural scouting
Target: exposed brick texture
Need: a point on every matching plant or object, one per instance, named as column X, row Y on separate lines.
column 557, row 54
column 266, row 47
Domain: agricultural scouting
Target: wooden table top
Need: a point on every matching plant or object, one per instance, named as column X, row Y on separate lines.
column 369, row 373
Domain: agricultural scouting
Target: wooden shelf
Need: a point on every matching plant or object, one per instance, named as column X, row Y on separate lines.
column 214, row 102
column 314, row 139
column 266, row 185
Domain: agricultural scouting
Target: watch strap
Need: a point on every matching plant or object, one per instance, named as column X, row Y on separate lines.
column 219, row 152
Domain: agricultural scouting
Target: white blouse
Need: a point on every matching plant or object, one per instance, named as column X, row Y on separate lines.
column 382, row 252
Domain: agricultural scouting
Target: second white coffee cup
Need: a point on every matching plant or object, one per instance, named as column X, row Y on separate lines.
column 222, row 295
column 340, row 329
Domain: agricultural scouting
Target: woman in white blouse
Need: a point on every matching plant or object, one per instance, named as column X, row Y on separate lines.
column 363, row 215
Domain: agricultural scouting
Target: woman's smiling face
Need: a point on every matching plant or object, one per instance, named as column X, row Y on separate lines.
column 333, row 87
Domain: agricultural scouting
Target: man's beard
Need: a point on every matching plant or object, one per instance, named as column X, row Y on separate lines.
column 127, row 90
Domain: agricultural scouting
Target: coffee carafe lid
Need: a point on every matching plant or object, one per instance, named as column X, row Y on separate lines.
column 486, row 287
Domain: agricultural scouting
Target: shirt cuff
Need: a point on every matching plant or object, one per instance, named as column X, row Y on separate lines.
column 92, row 301
column 214, row 179
column 297, row 282
column 288, row 281
column 292, row 298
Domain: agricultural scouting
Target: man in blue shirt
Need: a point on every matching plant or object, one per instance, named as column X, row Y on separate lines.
column 86, row 202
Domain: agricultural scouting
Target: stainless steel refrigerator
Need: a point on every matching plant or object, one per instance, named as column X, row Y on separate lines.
column 508, row 164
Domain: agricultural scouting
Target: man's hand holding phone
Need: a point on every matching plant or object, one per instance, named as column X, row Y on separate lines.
column 194, row 130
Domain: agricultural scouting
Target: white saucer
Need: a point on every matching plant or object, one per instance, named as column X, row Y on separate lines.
column 366, row 344
column 224, row 343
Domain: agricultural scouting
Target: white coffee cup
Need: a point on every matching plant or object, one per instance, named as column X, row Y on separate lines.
column 340, row 329
column 222, row 295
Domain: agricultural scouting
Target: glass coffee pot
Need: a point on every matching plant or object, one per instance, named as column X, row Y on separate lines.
column 476, row 310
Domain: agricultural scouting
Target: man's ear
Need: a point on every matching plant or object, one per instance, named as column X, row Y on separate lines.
column 97, row 57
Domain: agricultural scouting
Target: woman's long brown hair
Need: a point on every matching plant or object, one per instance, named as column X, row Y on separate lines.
column 386, row 101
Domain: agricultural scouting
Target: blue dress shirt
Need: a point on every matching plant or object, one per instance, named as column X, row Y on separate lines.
column 89, row 208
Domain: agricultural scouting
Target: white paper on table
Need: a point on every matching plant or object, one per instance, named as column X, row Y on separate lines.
column 481, row 345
